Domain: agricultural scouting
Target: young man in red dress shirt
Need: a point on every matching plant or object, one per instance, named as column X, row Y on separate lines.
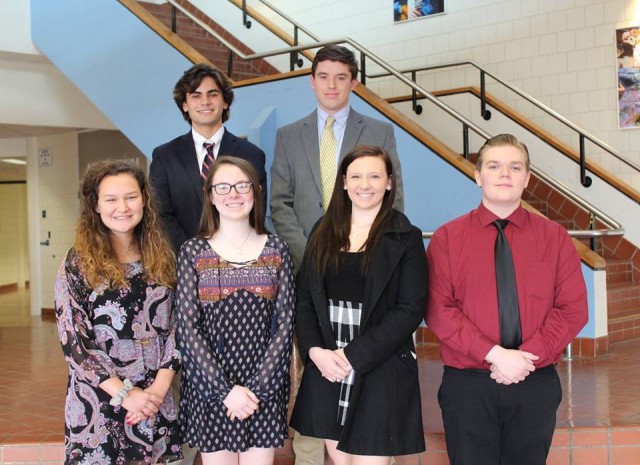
column 499, row 400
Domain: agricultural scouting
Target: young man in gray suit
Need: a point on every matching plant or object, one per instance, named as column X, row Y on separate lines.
column 296, row 172
column 296, row 191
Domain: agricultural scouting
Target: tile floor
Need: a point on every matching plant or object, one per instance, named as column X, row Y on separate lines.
column 598, row 420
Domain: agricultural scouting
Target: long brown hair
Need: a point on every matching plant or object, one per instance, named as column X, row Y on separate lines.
column 332, row 234
column 98, row 259
column 210, row 217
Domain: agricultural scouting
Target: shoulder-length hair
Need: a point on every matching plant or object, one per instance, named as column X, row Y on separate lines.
column 210, row 218
column 98, row 260
column 332, row 233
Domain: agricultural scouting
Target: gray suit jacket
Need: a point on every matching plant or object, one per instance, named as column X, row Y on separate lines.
column 296, row 192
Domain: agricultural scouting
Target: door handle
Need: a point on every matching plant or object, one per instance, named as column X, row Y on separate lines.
column 45, row 242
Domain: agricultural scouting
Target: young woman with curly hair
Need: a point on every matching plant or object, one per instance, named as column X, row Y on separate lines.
column 114, row 298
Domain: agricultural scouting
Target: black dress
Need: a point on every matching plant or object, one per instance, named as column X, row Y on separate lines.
column 345, row 291
column 235, row 325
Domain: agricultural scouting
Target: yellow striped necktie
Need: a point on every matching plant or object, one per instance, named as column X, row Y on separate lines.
column 328, row 152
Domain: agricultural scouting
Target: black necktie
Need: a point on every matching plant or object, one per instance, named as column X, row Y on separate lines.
column 208, row 161
column 510, row 332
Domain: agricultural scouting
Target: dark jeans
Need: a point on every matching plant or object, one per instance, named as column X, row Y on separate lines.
column 487, row 423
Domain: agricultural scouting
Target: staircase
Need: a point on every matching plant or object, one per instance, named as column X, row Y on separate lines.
column 624, row 319
column 623, row 264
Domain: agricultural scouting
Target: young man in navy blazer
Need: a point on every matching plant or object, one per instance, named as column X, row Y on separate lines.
column 204, row 95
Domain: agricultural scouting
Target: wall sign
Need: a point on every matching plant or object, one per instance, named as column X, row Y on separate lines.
column 45, row 157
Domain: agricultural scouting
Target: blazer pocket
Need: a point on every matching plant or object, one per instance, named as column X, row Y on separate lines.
column 409, row 359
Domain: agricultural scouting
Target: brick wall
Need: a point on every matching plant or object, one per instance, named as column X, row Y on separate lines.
column 208, row 45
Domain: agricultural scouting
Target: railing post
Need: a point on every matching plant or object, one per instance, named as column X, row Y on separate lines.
column 414, row 96
column 174, row 21
column 584, row 179
column 245, row 21
column 293, row 56
column 363, row 75
column 465, row 141
column 230, row 64
column 592, row 226
column 486, row 114
column 568, row 352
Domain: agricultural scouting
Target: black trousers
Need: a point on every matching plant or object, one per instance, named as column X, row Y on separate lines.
column 487, row 423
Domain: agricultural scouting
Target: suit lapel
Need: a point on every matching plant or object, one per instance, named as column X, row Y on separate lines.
column 189, row 162
column 311, row 146
column 228, row 144
column 384, row 260
column 352, row 132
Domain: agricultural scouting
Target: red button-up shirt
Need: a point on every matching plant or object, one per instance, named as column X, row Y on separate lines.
column 462, row 308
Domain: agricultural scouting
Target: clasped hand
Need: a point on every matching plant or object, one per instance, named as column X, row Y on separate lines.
column 241, row 403
column 141, row 405
column 510, row 366
column 333, row 364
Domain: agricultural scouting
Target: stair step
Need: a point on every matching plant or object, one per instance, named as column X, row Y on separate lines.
column 623, row 291
column 539, row 205
column 624, row 327
column 566, row 223
column 619, row 271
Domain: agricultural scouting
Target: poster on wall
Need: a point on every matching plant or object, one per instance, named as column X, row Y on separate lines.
column 404, row 10
column 628, row 69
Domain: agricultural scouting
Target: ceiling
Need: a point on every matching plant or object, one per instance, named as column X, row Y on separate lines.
column 10, row 172
column 16, row 131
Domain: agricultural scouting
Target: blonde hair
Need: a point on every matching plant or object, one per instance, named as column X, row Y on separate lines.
column 98, row 260
column 502, row 140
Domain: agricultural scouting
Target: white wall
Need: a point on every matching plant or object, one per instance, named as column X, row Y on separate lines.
column 562, row 52
column 34, row 92
column 57, row 195
column 15, row 30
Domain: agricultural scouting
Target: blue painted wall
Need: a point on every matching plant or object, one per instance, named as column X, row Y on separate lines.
column 122, row 66
column 128, row 72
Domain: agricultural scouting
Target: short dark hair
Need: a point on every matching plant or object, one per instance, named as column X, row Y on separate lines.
column 210, row 218
column 501, row 140
column 192, row 78
column 336, row 53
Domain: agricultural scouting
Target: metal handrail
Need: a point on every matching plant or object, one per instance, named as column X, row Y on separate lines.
column 583, row 134
column 616, row 228
column 288, row 19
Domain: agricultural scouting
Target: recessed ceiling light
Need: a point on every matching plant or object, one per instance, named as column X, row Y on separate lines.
column 14, row 161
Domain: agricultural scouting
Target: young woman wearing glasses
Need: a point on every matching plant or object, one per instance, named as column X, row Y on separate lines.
column 236, row 299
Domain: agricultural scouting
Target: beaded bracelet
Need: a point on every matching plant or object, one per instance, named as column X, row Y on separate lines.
column 122, row 394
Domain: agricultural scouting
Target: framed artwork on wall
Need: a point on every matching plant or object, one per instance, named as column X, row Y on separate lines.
column 404, row 10
column 628, row 76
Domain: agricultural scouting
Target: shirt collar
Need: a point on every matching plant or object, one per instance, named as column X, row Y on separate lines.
column 487, row 216
column 340, row 116
column 199, row 139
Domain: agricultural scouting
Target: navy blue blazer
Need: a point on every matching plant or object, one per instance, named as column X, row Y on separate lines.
column 175, row 177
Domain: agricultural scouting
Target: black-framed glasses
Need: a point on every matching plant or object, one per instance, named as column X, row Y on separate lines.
column 223, row 188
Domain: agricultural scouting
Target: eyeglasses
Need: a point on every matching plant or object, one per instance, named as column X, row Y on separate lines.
column 224, row 188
